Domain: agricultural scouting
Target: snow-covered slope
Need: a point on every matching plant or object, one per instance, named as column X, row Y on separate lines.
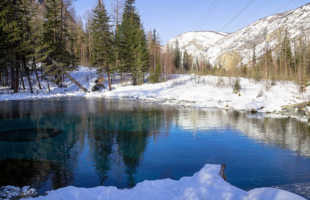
column 196, row 43
column 235, row 48
column 206, row 184
column 264, row 31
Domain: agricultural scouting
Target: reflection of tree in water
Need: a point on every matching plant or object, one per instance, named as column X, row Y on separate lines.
column 114, row 130
column 28, row 172
column 101, row 142
column 43, row 157
column 285, row 132
column 132, row 143
column 123, row 133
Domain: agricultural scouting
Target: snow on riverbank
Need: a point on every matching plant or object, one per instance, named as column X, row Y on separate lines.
column 206, row 184
column 214, row 92
column 186, row 90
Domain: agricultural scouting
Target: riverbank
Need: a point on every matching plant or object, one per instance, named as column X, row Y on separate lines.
column 188, row 90
column 206, row 184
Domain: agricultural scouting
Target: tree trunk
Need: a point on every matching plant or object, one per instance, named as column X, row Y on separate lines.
column 48, row 86
column 109, row 80
column 75, row 81
column 36, row 73
column 1, row 79
column 28, row 75
column 71, row 78
column 22, row 80
column 16, row 81
column 6, row 83
column 12, row 78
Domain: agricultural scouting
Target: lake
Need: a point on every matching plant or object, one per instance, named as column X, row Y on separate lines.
column 55, row 143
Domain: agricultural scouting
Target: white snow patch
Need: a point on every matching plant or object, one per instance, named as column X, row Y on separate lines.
column 204, row 92
column 206, row 184
column 184, row 90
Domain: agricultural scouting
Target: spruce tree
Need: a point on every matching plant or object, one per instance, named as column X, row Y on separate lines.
column 155, row 55
column 177, row 56
column 11, row 24
column 53, row 50
column 134, row 51
column 102, row 41
column 187, row 61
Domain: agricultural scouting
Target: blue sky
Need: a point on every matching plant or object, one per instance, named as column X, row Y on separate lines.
column 172, row 17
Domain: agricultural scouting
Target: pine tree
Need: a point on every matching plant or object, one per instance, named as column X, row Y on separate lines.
column 53, row 51
column 187, row 61
column 177, row 56
column 12, row 31
column 102, row 41
column 133, row 46
column 155, row 55
column 28, row 44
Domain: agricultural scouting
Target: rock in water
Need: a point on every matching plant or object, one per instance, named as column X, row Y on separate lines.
column 13, row 193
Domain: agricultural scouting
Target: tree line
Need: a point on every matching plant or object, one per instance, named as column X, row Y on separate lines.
column 41, row 41
column 288, row 60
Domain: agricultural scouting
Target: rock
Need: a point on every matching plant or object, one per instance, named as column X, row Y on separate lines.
column 99, row 85
column 13, row 193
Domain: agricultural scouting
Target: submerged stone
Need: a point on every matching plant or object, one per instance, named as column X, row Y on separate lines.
column 13, row 193
column 27, row 135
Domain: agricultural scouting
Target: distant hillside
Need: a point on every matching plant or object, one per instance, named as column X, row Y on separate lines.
column 236, row 48
column 196, row 43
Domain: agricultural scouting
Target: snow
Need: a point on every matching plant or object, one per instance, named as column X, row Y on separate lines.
column 184, row 90
column 86, row 76
column 196, row 43
column 12, row 192
column 204, row 92
column 296, row 22
column 206, row 184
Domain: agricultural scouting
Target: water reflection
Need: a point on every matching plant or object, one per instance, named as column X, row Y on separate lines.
column 121, row 143
column 284, row 132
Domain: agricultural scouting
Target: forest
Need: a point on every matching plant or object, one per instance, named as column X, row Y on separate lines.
column 45, row 40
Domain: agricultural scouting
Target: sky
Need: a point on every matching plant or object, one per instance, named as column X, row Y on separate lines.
column 173, row 17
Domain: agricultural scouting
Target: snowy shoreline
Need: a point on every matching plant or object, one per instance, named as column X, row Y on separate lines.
column 206, row 184
column 186, row 90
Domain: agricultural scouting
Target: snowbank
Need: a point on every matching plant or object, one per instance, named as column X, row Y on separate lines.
column 185, row 90
column 206, row 184
column 214, row 92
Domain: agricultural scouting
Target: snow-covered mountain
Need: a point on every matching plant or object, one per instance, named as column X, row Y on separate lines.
column 235, row 48
column 196, row 43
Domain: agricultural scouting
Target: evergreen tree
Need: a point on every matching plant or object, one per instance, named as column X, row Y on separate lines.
column 133, row 46
column 177, row 56
column 187, row 61
column 53, row 50
column 14, row 25
column 155, row 56
column 102, row 41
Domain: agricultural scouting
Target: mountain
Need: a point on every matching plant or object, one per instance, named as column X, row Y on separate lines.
column 231, row 50
column 196, row 43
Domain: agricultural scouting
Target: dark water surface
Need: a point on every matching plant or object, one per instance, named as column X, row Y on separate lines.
column 90, row 142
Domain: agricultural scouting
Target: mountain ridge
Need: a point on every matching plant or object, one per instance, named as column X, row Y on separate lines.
column 236, row 48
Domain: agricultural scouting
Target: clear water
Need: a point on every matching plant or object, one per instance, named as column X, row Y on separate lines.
column 90, row 142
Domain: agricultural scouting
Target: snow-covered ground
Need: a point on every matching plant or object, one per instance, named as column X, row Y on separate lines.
column 185, row 90
column 214, row 92
column 206, row 184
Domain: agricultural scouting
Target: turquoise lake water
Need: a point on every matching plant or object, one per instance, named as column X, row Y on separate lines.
column 55, row 143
